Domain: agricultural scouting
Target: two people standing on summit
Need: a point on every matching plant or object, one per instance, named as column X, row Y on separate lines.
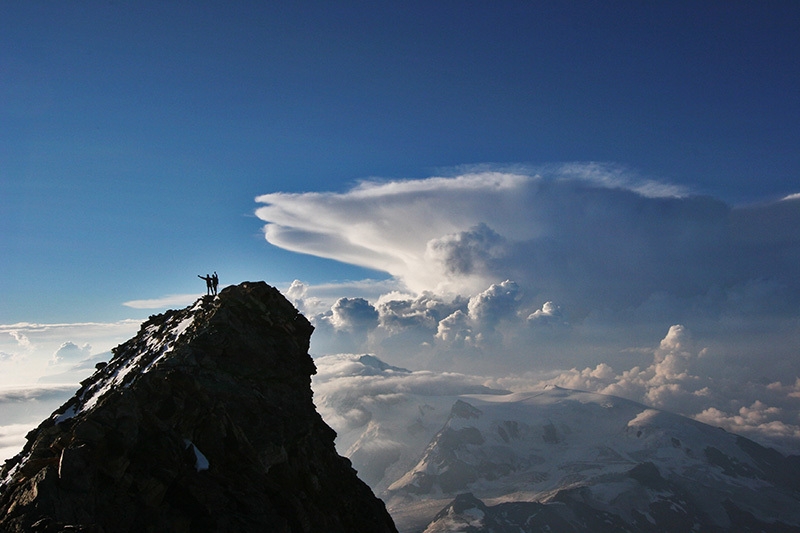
column 211, row 283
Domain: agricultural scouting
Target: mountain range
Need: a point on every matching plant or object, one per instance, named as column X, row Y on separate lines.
column 561, row 459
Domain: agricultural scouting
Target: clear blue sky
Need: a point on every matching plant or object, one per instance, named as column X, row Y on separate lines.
column 134, row 136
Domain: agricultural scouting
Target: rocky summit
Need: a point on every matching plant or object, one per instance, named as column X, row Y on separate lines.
column 204, row 421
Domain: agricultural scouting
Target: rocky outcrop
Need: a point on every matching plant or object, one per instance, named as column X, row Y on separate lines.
column 202, row 422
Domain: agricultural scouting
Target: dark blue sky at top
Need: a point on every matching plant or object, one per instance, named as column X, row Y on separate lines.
column 135, row 135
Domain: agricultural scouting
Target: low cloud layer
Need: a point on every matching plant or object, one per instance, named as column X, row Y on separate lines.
column 50, row 352
column 384, row 416
column 23, row 408
column 571, row 274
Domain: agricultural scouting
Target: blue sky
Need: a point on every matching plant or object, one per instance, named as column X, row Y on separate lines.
column 135, row 136
column 405, row 147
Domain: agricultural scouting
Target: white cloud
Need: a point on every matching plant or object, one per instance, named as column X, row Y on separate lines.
column 605, row 259
column 353, row 314
column 38, row 350
column 455, row 328
column 758, row 421
column 71, row 352
column 585, row 236
column 169, row 301
column 21, row 338
column 319, row 298
column 617, row 177
column 387, row 225
column 688, row 380
column 22, row 409
column 12, row 439
column 498, row 301
column 400, row 311
column 549, row 314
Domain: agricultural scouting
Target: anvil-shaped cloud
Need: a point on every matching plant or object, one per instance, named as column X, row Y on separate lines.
column 583, row 236
column 573, row 266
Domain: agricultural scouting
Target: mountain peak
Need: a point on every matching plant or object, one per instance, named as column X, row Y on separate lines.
column 204, row 421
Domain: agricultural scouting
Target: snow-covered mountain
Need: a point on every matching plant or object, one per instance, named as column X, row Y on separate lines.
column 384, row 416
column 596, row 459
column 555, row 458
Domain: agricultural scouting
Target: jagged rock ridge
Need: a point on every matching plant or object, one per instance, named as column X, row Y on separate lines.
column 202, row 422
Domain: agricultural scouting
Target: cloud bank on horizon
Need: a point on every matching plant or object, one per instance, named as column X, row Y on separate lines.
column 569, row 275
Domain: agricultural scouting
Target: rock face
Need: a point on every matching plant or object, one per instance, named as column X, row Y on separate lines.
column 202, row 422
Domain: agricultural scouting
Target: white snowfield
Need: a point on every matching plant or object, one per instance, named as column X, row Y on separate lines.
column 420, row 438
column 528, row 446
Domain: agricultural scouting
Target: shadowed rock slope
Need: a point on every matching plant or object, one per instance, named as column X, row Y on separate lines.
column 202, row 422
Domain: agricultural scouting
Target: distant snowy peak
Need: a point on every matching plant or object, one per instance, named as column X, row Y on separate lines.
column 614, row 455
column 372, row 362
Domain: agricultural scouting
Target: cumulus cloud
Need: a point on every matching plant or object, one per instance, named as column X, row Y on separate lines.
column 686, row 379
column 353, row 314
column 468, row 255
column 455, row 328
column 759, row 420
column 549, row 314
column 498, row 301
column 400, row 311
column 35, row 349
column 670, row 379
column 71, row 352
column 416, row 328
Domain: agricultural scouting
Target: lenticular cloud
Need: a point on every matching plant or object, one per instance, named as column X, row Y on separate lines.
column 388, row 226
column 580, row 236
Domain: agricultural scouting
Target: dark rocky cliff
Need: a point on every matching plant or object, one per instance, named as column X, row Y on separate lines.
column 202, row 422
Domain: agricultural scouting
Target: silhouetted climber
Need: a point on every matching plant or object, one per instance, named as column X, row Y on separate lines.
column 214, row 282
column 209, row 283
